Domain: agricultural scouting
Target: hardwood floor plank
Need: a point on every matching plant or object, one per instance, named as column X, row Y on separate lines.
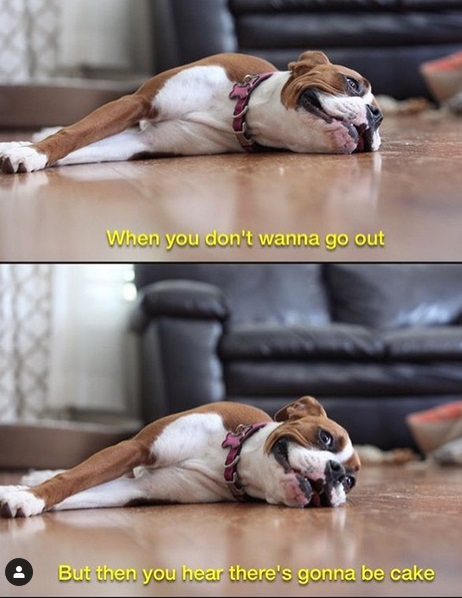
column 409, row 192
column 403, row 520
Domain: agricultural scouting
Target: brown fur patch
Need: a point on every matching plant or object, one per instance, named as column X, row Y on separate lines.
column 304, row 431
column 353, row 464
column 237, row 66
column 326, row 77
column 110, row 119
column 232, row 414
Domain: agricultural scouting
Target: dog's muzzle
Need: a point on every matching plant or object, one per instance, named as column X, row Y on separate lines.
column 362, row 134
column 365, row 132
column 374, row 116
column 318, row 491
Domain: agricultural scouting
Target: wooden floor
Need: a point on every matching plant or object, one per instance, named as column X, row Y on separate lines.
column 406, row 201
column 402, row 521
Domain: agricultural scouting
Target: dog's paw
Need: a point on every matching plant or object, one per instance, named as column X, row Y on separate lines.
column 20, row 156
column 18, row 501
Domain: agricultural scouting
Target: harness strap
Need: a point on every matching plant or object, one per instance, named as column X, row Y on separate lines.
column 234, row 441
column 242, row 92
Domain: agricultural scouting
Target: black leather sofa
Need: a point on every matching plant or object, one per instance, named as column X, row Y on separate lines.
column 373, row 342
column 385, row 40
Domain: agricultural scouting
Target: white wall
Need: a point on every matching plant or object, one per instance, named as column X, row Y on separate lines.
column 65, row 341
column 107, row 33
column 46, row 38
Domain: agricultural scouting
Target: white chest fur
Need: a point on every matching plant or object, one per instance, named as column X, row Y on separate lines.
column 189, row 461
column 194, row 113
column 191, row 437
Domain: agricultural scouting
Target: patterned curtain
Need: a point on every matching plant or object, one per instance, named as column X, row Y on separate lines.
column 29, row 39
column 25, row 340
column 64, row 344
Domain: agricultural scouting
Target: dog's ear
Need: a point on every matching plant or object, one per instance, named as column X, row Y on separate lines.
column 301, row 408
column 307, row 61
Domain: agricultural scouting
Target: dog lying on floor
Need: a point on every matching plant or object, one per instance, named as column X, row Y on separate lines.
column 217, row 452
column 224, row 103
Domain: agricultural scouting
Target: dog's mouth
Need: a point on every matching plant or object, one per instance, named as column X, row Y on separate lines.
column 319, row 492
column 310, row 102
column 363, row 134
column 316, row 491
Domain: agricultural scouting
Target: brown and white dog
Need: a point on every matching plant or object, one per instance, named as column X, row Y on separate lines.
column 217, row 452
column 224, row 103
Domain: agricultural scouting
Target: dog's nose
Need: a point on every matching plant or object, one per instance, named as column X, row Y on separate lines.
column 374, row 115
column 334, row 471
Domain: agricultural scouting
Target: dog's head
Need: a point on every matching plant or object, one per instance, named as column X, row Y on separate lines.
column 336, row 103
column 315, row 454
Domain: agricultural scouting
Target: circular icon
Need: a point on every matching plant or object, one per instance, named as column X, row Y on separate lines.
column 19, row 572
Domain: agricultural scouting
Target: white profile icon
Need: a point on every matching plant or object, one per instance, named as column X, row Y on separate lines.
column 19, row 574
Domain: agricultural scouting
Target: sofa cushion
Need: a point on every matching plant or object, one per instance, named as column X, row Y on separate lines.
column 430, row 4
column 320, row 30
column 390, row 296
column 284, row 293
column 337, row 341
column 425, row 343
column 243, row 6
column 322, row 378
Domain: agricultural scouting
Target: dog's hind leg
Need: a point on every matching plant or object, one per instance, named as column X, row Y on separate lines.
column 121, row 492
column 110, row 119
column 34, row 477
column 177, row 484
column 108, row 464
column 123, row 146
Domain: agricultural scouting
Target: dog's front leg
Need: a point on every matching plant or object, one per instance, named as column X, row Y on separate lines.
column 110, row 119
column 108, row 464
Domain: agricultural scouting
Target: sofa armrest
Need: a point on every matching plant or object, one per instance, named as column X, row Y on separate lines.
column 179, row 324
column 179, row 298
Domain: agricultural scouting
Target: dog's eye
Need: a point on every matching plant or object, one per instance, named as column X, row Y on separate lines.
column 348, row 482
column 326, row 440
column 353, row 86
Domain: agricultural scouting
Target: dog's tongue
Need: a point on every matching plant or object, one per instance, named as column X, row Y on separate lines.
column 315, row 500
column 358, row 133
column 364, row 139
column 318, row 498
column 360, row 146
column 361, row 131
column 311, row 491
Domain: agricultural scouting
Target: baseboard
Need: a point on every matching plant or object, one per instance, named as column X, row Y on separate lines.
column 56, row 102
column 56, row 444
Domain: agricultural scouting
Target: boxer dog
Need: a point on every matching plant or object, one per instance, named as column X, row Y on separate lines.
column 223, row 103
column 217, row 452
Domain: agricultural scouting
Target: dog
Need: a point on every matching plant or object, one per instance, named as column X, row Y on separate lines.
column 223, row 103
column 217, row 452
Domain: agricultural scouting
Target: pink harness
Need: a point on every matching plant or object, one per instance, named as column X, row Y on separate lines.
column 242, row 92
column 234, row 441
